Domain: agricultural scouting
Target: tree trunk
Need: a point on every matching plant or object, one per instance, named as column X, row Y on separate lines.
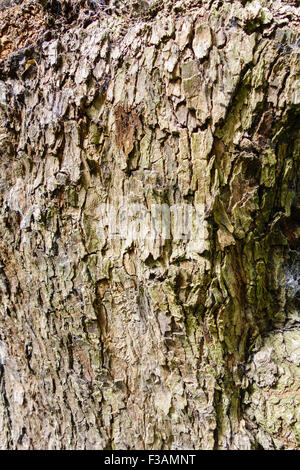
column 149, row 249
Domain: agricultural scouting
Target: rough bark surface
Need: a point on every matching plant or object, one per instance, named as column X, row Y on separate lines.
column 151, row 344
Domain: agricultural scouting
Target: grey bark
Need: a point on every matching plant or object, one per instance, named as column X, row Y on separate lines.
column 152, row 344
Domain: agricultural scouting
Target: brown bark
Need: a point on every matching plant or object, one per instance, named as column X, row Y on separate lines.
column 140, row 342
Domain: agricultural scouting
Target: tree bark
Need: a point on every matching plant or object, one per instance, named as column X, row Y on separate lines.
column 136, row 342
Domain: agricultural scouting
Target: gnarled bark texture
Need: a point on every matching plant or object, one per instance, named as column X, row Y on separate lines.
column 152, row 343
